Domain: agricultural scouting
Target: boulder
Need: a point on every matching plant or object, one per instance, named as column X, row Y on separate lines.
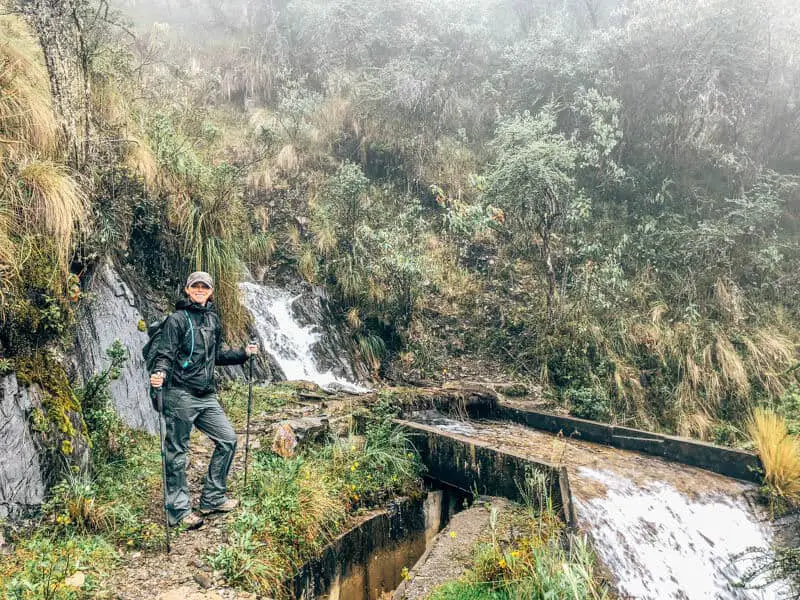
column 293, row 432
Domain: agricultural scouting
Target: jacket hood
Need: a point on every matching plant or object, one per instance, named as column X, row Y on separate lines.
column 186, row 304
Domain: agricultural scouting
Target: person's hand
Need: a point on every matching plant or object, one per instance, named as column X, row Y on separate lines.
column 157, row 379
column 251, row 349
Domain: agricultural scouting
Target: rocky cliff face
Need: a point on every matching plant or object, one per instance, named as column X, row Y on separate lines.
column 21, row 480
column 112, row 315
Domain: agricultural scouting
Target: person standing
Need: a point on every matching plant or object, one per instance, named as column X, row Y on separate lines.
column 189, row 349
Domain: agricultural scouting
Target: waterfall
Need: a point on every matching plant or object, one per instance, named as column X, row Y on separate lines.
column 292, row 328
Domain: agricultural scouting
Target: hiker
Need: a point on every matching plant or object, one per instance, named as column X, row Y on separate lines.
column 189, row 348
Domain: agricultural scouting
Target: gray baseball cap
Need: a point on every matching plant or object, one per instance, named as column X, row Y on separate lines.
column 199, row 277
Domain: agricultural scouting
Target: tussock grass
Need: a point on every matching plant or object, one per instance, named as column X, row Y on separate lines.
column 307, row 265
column 53, row 203
column 779, row 453
column 731, row 366
column 140, row 160
column 288, row 160
column 702, row 368
column 260, row 179
column 26, row 115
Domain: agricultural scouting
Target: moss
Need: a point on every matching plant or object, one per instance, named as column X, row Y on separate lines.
column 66, row 447
column 58, row 400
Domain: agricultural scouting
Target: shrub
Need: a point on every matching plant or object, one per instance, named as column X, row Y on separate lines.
column 589, row 403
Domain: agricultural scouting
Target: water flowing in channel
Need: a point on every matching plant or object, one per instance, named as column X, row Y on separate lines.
column 291, row 327
column 663, row 530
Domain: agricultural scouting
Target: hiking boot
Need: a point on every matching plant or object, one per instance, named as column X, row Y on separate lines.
column 191, row 521
column 226, row 506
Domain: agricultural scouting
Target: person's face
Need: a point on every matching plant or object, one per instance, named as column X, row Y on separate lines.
column 199, row 293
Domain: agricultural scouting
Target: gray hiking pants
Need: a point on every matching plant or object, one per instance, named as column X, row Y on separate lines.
column 183, row 411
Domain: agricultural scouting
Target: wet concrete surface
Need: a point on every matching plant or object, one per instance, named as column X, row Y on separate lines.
column 662, row 529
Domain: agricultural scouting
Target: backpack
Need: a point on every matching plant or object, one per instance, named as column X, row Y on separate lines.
column 154, row 331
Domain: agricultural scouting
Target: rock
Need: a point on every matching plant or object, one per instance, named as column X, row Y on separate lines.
column 21, row 483
column 285, row 441
column 76, row 580
column 305, row 386
column 301, row 430
column 113, row 315
column 203, row 580
column 309, row 429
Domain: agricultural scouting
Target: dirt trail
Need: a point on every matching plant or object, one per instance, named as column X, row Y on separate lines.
column 183, row 574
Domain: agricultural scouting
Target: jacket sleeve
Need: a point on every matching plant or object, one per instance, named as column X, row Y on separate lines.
column 229, row 356
column 169, row 346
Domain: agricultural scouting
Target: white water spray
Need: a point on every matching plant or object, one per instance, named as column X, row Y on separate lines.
column 661, row 543
column 288, row 341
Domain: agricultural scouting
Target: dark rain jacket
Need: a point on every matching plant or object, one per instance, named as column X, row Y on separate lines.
column 190, row 347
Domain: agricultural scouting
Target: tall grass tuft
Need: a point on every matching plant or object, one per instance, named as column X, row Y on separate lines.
column 25, row 105
column 779, row 452
column 52, row 203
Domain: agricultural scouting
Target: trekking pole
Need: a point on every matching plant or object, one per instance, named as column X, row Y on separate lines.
column 162, row 426
column 249, row 410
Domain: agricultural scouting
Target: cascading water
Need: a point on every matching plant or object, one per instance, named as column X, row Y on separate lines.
column 661, row 542
column 303, row 351
column 663, row 530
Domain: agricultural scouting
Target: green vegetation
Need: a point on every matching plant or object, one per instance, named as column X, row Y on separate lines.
column 542, row 199
column 503, row 183
column 530, row 563
column 41, row 563
column 292, row 507
column 266, row 398
column 88, row 514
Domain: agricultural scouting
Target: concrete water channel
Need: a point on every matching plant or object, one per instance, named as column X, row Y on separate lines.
column 660, row 527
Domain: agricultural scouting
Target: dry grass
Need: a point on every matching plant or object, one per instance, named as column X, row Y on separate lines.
column 288, row 160
column 140, row 160
column 331, row 118
column 52, row 203
column 779, row 453
column 730, row 300
column 353, row 318
column 703, row 362
column 260, row 178
column 731, row 366
column 26, row 114
column 307, row 266
column 325, row 239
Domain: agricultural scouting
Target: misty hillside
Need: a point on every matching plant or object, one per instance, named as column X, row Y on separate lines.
column 597, row 201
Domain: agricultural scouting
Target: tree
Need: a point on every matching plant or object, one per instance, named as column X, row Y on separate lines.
column 533, row 180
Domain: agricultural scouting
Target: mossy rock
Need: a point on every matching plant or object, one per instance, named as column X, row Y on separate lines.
column 59, row 423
